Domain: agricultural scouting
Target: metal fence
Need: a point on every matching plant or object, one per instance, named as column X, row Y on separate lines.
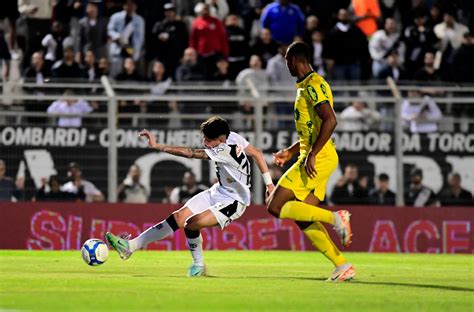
column 249, row 107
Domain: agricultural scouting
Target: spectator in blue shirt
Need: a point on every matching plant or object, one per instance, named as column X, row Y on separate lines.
column 285, row 21
column 126, row 29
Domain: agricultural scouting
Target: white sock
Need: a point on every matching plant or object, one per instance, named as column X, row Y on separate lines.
column 195, row 246
column 152, row 234
column 337, row 219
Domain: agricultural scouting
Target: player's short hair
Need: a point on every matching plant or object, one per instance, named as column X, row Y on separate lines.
column 214, row 127
column 299, row 50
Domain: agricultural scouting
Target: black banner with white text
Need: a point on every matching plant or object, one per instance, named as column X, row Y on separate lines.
column 38, row 152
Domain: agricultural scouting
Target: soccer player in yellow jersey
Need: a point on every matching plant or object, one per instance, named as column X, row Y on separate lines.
column 303, row 186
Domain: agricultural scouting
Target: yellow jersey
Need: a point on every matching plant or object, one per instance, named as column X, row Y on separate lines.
column 311, row 92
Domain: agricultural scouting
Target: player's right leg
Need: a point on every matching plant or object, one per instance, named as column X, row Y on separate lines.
column 126, row 247
column 294, row 184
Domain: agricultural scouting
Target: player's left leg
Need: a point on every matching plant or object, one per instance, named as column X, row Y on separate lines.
column 303, row 186
column 176, row 220
column 126, row 247
column 191, row 229
column 319, row 237
column 223, row 211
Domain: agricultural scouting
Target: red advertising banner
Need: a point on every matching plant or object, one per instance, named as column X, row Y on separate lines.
column 64, row 226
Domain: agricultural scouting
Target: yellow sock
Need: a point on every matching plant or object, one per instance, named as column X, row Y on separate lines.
column 318, row 235
column 300, row 211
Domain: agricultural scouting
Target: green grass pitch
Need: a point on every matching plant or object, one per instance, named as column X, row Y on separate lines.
column 244, row 281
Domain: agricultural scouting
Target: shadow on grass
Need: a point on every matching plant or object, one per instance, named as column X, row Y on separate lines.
column 430, row 286
column 454, row 288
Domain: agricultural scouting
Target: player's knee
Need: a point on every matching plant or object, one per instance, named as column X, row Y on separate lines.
column 192, row 223
column 180, row 218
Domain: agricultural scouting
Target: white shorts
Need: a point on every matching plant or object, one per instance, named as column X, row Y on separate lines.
column 224, row 208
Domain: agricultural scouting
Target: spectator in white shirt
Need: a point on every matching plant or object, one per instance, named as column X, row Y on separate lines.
column 279, row 76
column 54, row 43
column 421, row 115
column 218, row 8
column 358, row 117
column 78, row 184
column 382, row 43
column 126, row 29
column 277, row 71
column 259, row 78
column 131, row 190
column 450, row 32
column 69, row 107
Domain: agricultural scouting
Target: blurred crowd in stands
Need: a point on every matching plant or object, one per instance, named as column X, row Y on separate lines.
column 424, row 40
column 233, row 41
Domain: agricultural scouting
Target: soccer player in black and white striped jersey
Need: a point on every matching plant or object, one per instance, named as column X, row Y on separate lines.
column 224, row 202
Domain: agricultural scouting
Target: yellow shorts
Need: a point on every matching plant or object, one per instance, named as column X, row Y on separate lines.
column 296, row 179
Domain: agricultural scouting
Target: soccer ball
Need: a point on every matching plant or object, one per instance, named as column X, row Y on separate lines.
column 94, row 252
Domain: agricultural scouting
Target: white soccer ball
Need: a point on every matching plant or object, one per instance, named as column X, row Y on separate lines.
column 94, row 252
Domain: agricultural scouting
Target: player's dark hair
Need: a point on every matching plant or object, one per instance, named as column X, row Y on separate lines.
column 299, row 50
column 383, row 177
column 214, row 127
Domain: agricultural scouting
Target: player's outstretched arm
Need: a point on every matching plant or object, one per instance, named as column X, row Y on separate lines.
column 284, row 155
column 186, row 152
column 257, row 156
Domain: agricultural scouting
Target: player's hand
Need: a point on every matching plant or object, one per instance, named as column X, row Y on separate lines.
column 150, row 137
column 281, row 157
column 269, row 192
column 309, row 165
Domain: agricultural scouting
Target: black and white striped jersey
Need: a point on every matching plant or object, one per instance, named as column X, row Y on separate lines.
column 233, row 168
